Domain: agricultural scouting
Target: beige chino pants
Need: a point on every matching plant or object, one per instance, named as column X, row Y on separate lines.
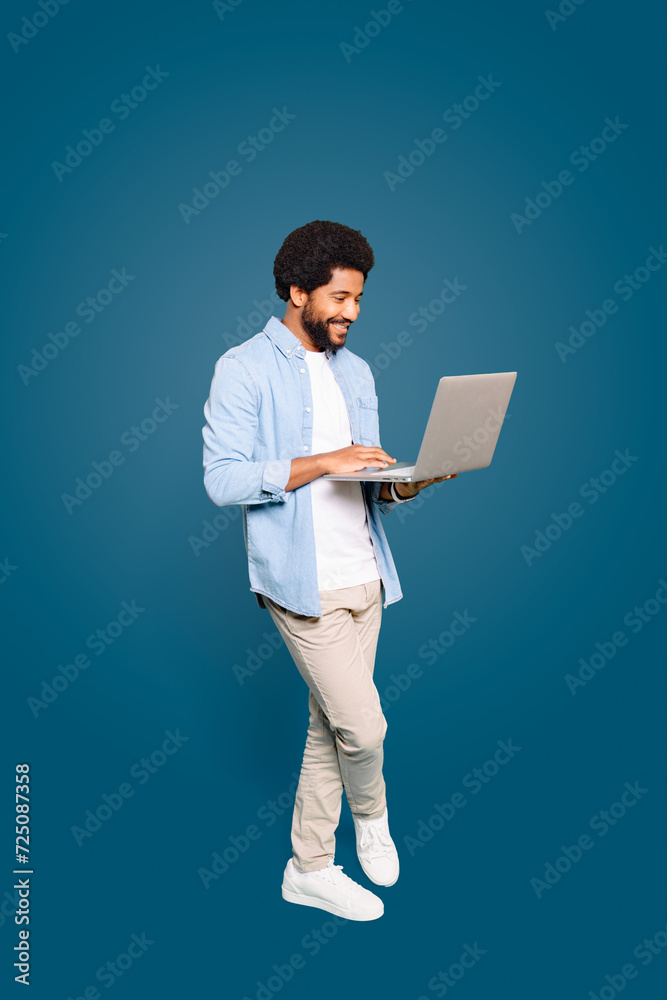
column 335, row 655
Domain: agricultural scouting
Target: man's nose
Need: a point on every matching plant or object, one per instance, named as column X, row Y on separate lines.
column 350, row 312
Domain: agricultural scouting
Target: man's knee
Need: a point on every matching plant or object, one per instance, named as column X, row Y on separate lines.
column 365, row 737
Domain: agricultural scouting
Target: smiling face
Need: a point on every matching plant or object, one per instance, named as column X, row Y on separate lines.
column 328, row 311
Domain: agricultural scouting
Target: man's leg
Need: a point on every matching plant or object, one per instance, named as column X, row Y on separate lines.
column 369, row 801
column 335, row 655
column 317, row 802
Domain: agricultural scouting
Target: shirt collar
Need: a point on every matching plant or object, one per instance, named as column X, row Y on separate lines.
column 286, row 342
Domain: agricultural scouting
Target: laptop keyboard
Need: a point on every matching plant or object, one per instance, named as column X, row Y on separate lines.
column 400, row 469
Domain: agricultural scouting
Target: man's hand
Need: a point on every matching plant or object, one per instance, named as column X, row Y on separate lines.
column 354, row 458
column 351, row 459
column 357, row 456
column 406, row 490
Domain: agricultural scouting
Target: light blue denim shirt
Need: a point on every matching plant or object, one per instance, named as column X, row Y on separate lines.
column 259, row 416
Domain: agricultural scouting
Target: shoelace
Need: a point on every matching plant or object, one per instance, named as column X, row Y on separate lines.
column 374, row 840
column 335, row 874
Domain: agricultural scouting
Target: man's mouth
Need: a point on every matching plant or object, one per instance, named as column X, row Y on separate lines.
column 339, row 326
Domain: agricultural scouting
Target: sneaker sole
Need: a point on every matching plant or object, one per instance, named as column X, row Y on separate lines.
column 323, row 904
column 375, row 882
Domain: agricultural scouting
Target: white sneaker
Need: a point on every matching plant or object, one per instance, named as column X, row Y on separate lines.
column 376, row 851
column 329, row 889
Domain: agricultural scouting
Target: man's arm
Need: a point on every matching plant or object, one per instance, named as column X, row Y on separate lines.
column 304, row 470
column 230, row 475
column 385, row 494
column 353, row 458
column 382, row 498
column 407, row 491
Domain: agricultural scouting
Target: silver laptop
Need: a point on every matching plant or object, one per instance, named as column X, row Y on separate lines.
column 461, row 433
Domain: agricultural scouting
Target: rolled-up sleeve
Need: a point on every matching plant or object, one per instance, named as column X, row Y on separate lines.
column 231, row 411
column 385, row 505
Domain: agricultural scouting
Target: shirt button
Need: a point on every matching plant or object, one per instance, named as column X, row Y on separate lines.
column 305, row 447
column 307, row 409
column 302, row 370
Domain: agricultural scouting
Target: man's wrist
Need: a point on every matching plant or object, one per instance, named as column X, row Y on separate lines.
column 393, row 489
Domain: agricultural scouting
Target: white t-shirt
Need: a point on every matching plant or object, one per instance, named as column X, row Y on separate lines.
column 343, row 544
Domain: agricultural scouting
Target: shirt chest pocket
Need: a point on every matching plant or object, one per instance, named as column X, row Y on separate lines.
column 369, row 427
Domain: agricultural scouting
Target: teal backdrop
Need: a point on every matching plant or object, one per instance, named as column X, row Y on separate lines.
column 506, row 163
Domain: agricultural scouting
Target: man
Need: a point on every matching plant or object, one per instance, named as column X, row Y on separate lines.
column 287, row 406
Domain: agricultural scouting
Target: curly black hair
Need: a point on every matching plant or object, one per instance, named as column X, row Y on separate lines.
column 309, row 255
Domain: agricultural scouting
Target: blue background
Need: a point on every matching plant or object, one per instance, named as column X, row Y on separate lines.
column 134, row 538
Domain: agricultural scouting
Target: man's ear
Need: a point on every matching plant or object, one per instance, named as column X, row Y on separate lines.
column 297, row 296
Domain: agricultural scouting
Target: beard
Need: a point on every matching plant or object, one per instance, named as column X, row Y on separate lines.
column 318, row 329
